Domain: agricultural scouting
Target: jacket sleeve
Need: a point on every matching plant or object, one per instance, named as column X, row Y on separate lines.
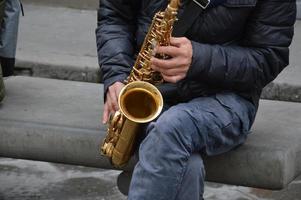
column 115, row 38
column 260, row 56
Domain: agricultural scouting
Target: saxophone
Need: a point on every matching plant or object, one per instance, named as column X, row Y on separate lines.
column 139, row 101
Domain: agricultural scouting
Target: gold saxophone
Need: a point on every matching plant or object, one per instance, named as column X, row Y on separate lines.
column 139, row 101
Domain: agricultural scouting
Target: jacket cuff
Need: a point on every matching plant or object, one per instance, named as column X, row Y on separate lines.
column 200, row 59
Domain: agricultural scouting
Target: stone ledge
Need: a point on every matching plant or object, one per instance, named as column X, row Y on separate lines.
column 90, row 72
column 58, row 121
column 84, row 72
column 93, row 4
column 282, row 92
column 77, row 4
column 68, row 68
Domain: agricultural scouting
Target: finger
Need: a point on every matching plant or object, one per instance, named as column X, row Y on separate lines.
column 165, row 64
column 113, row 99
column 117, row 92
column 177, row 41
column 110, row 104
column 168, row 50
column 172, row 79
column 106, row 113
column 174, row 71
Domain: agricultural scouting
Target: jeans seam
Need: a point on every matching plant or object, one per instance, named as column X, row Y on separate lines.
column 184, row 168
column 179, row 184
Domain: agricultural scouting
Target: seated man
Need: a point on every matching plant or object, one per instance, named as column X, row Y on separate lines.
column 219, row 67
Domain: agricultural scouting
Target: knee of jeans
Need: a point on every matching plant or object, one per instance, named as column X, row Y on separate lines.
column 195, row 165
column 176, row 117
column 174, row 123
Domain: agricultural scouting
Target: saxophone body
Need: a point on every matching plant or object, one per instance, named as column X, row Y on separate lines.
column 139, row 101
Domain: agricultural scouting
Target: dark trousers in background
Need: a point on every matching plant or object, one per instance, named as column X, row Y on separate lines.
column 7, row 65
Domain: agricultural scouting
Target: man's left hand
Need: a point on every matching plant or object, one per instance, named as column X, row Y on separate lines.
column 175, row 68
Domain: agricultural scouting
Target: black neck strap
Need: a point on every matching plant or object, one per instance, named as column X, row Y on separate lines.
column 189, row 15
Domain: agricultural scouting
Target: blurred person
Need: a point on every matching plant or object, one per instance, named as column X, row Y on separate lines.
column 2, row 6
column 8, row 36
column 218, row 68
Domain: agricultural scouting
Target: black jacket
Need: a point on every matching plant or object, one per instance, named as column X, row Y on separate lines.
column 239, row 46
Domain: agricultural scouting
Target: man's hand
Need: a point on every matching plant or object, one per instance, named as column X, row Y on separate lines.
column 175, row 68
column 111, row 104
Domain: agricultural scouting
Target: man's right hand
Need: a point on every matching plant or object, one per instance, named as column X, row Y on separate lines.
column 111, row 104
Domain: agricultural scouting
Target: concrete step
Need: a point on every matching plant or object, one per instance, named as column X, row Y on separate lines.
column 78, row 4
column 58, row 43
column 93, row 4
column 59, row 121
column 66, row 50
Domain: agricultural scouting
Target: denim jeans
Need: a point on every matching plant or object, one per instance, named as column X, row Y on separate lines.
column 170, row 165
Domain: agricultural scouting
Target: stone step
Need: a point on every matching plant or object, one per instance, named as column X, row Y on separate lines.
column 77, row 4
column 66, row 50
column 93, row 4
column 59, row 121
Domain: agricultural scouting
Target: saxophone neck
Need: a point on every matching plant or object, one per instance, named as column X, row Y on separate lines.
column 174, row 4
column 159, row 33
column 172, row 10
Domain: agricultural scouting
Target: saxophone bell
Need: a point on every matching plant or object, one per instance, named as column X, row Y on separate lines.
column 140, row 102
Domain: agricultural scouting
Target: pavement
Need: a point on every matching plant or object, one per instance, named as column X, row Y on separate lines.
column 66, row 49
column 33, row 180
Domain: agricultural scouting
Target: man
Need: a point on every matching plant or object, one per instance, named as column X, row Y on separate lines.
column 9, row 18
column 8, row 36
column 219, row 67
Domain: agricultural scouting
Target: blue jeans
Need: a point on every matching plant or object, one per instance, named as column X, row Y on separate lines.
column 170, row 163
